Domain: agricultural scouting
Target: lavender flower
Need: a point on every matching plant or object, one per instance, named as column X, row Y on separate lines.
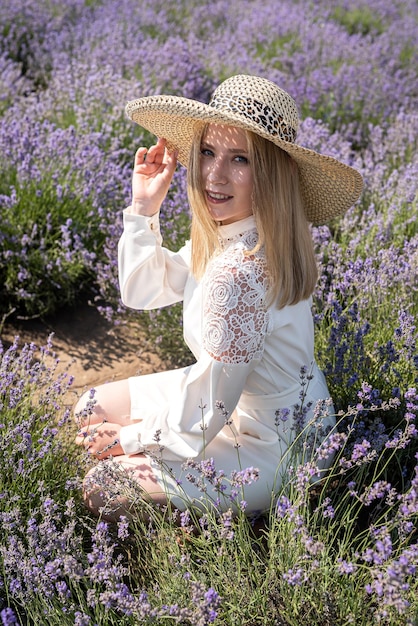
column 8, row 617
column 295, row 577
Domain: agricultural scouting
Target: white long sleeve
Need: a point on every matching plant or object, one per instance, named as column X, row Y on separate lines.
column 150, row 276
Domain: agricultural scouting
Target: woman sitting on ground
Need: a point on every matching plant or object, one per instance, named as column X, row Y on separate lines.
column 245, row 278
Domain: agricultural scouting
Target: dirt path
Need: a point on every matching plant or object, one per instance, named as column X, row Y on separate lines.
column 95, row 351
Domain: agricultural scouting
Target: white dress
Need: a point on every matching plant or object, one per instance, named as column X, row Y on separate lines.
column 227, row 411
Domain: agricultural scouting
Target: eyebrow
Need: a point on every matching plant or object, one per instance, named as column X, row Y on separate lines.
column 232, row 150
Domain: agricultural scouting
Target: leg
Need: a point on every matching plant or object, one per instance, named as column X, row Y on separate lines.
column 113, row 404
column 115, row 486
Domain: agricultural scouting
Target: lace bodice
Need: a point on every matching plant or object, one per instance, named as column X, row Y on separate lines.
column 235, row 316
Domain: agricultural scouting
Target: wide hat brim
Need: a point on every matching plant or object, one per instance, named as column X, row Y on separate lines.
column 328, row 187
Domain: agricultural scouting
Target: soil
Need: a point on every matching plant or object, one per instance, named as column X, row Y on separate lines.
column 93, row 350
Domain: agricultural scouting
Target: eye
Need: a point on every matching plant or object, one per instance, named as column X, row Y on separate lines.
column 241, row 159
column 206, row 152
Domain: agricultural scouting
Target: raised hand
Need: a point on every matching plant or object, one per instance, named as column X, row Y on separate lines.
column 151, row 178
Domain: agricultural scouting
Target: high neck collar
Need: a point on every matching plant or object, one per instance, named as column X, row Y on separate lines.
column 227, row 231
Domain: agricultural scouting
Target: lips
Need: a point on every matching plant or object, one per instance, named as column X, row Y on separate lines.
column 217, row 197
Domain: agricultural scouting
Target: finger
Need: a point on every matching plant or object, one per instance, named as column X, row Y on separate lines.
column 171, row 161
column 83, row 441
column 111, row 448
column 140, row 156
column 156, row 152
column 85, row 437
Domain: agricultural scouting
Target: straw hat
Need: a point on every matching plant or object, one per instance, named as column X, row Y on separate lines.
column 251, row 103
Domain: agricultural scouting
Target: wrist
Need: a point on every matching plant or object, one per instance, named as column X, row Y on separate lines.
column 130, row 439
column 139, row 207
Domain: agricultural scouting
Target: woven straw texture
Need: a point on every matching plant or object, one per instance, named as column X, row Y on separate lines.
column 328, row 186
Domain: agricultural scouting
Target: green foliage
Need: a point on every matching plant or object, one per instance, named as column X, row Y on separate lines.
column 36, row 449
column 47, row 250
column 271, row 51
column 358, row 20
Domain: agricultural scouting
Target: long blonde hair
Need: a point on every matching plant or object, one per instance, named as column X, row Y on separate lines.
column 279, row 215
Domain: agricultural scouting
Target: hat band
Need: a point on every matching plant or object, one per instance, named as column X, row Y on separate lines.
column 256, row 112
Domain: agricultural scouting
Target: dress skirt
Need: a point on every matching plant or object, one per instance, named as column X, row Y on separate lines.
column 245, row 465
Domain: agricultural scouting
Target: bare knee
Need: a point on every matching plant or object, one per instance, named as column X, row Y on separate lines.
column 109, row 402
column 113, row 488
column 101, row 500
column 84, row 407
column 91, row 407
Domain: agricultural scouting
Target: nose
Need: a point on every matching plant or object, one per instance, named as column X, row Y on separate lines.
column 217, row 173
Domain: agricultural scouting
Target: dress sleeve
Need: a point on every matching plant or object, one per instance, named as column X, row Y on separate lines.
column 150, row 276
column 235, row 323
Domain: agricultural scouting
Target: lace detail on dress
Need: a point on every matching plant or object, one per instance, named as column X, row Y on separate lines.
column 235, row 317
column 249, row 239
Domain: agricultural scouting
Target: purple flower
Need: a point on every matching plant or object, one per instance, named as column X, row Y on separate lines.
column 8, row 617
column 123, row 527
column 81, row 619
column 345, row 567
column 295, row 577
column 391, row 585
column 362, row 453
column 382, row 550
column 226, row 531
column 284, row 506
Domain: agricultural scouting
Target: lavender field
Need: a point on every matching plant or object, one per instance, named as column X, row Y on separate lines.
column 344, row 552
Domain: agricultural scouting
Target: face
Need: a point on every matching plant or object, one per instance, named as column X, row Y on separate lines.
column 226, row 173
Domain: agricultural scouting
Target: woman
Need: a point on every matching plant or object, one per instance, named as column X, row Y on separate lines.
column 246, row 279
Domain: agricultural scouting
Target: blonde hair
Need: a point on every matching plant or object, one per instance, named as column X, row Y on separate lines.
column 281, row 223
